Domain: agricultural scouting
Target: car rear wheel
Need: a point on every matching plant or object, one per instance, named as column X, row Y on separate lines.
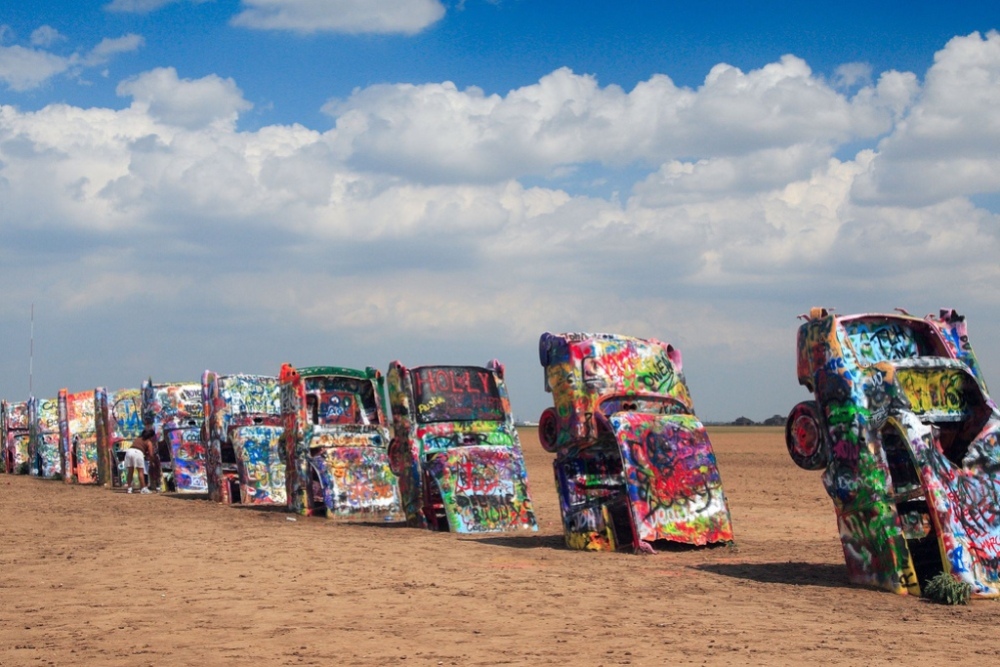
column 804, row 437
column 548, row 429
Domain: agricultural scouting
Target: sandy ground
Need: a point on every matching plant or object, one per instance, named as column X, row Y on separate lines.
column 94, row 577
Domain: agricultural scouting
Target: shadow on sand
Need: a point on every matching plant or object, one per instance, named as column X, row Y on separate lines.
column 523, row 541
column 790, row 573
column 184, row 496
column 533, row 541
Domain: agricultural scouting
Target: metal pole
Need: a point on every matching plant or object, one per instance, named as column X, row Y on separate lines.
column 31, row 353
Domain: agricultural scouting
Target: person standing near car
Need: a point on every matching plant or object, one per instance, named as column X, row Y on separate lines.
column 135, row 459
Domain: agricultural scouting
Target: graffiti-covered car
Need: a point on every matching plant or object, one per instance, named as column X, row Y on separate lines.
column 78, row 436
column 44, row 451
column 119, row 423
column 245, row 462
column 906, row 435
column 16, row 436
column 175, row 412
column 455, row 449
column 336, row 438
column 634, row 466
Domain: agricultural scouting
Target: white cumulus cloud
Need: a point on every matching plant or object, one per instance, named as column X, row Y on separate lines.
column 23, row 68
column 185, row 102
column 142, row 6
column 344, row 16
column 46, row 35
column 110, row 47
column 437, row 132
column 948, row 145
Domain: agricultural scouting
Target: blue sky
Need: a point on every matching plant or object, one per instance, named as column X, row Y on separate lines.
column 496, row 46
column 236, row 183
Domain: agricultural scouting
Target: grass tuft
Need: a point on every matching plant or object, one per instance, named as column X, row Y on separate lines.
column 946, row 589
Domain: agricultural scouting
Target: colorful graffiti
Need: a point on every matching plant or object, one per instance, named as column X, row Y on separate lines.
column 908, row 447
column 592, row 498
column 456, row 393
column 633, row 465
column 15, row 435
column 173, row 401
column 455, row 450
column 44, row 448
column 481, row 489
column 673, row 481
column 354, row 482
column 882, row 340
column 250, row 394
column 336, row 439
column 118, row 425
column 940, row 391
column 187, row 460
column 244, row 459
column 261, row 464
column 175, row 413
column 78, row 436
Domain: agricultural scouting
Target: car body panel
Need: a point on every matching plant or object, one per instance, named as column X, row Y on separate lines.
column 481, row 488
column 456, row 451
column 45, row 454
column 262, row 464
column 242, row 431
column 175, row 412
column 16, row 425
column 188, row 473
column 118, row 425
column 633, row 464
column 336, row 440
column 78, row 436
column 911, row 458
column 673, row 481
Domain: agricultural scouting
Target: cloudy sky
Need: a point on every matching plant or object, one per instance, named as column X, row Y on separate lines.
column 231, row 184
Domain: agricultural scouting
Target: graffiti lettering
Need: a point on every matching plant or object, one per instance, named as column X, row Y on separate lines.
column 251, row 394
column 846, row 451
column 483, row 512
column 658, row 374
column 883, row 341
column 456, row 394
column 934, row 390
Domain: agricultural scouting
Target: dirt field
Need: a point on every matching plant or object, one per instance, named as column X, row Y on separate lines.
column 94, row 577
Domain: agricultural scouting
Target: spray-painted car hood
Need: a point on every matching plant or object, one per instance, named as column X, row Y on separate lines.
column 483, row 488
column 673, row 481
column 352, row 467
column 187, row 455
column 262, row 476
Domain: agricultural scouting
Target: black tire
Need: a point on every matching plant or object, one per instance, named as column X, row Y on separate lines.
column 805, row 438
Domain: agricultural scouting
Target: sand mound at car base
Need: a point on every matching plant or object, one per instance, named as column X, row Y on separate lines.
column 216, row 585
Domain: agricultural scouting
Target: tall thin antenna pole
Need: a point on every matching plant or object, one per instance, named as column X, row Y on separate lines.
column 31, row 354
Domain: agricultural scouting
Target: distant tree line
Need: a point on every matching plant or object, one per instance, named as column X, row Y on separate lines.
column 776, row 420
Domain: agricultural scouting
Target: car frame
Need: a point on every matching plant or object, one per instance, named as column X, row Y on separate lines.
column 456, row 451
column 175, row 411
column 336, row 437
column 16, row 436
column 119, row 423
column 244, row 459
column 634, row 466
column 45, row 453
column 908, row 439
column 78, row 436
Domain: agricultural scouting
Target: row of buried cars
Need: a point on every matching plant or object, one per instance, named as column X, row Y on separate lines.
column 900, row 424
column 316, row 440
column 634, row 467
